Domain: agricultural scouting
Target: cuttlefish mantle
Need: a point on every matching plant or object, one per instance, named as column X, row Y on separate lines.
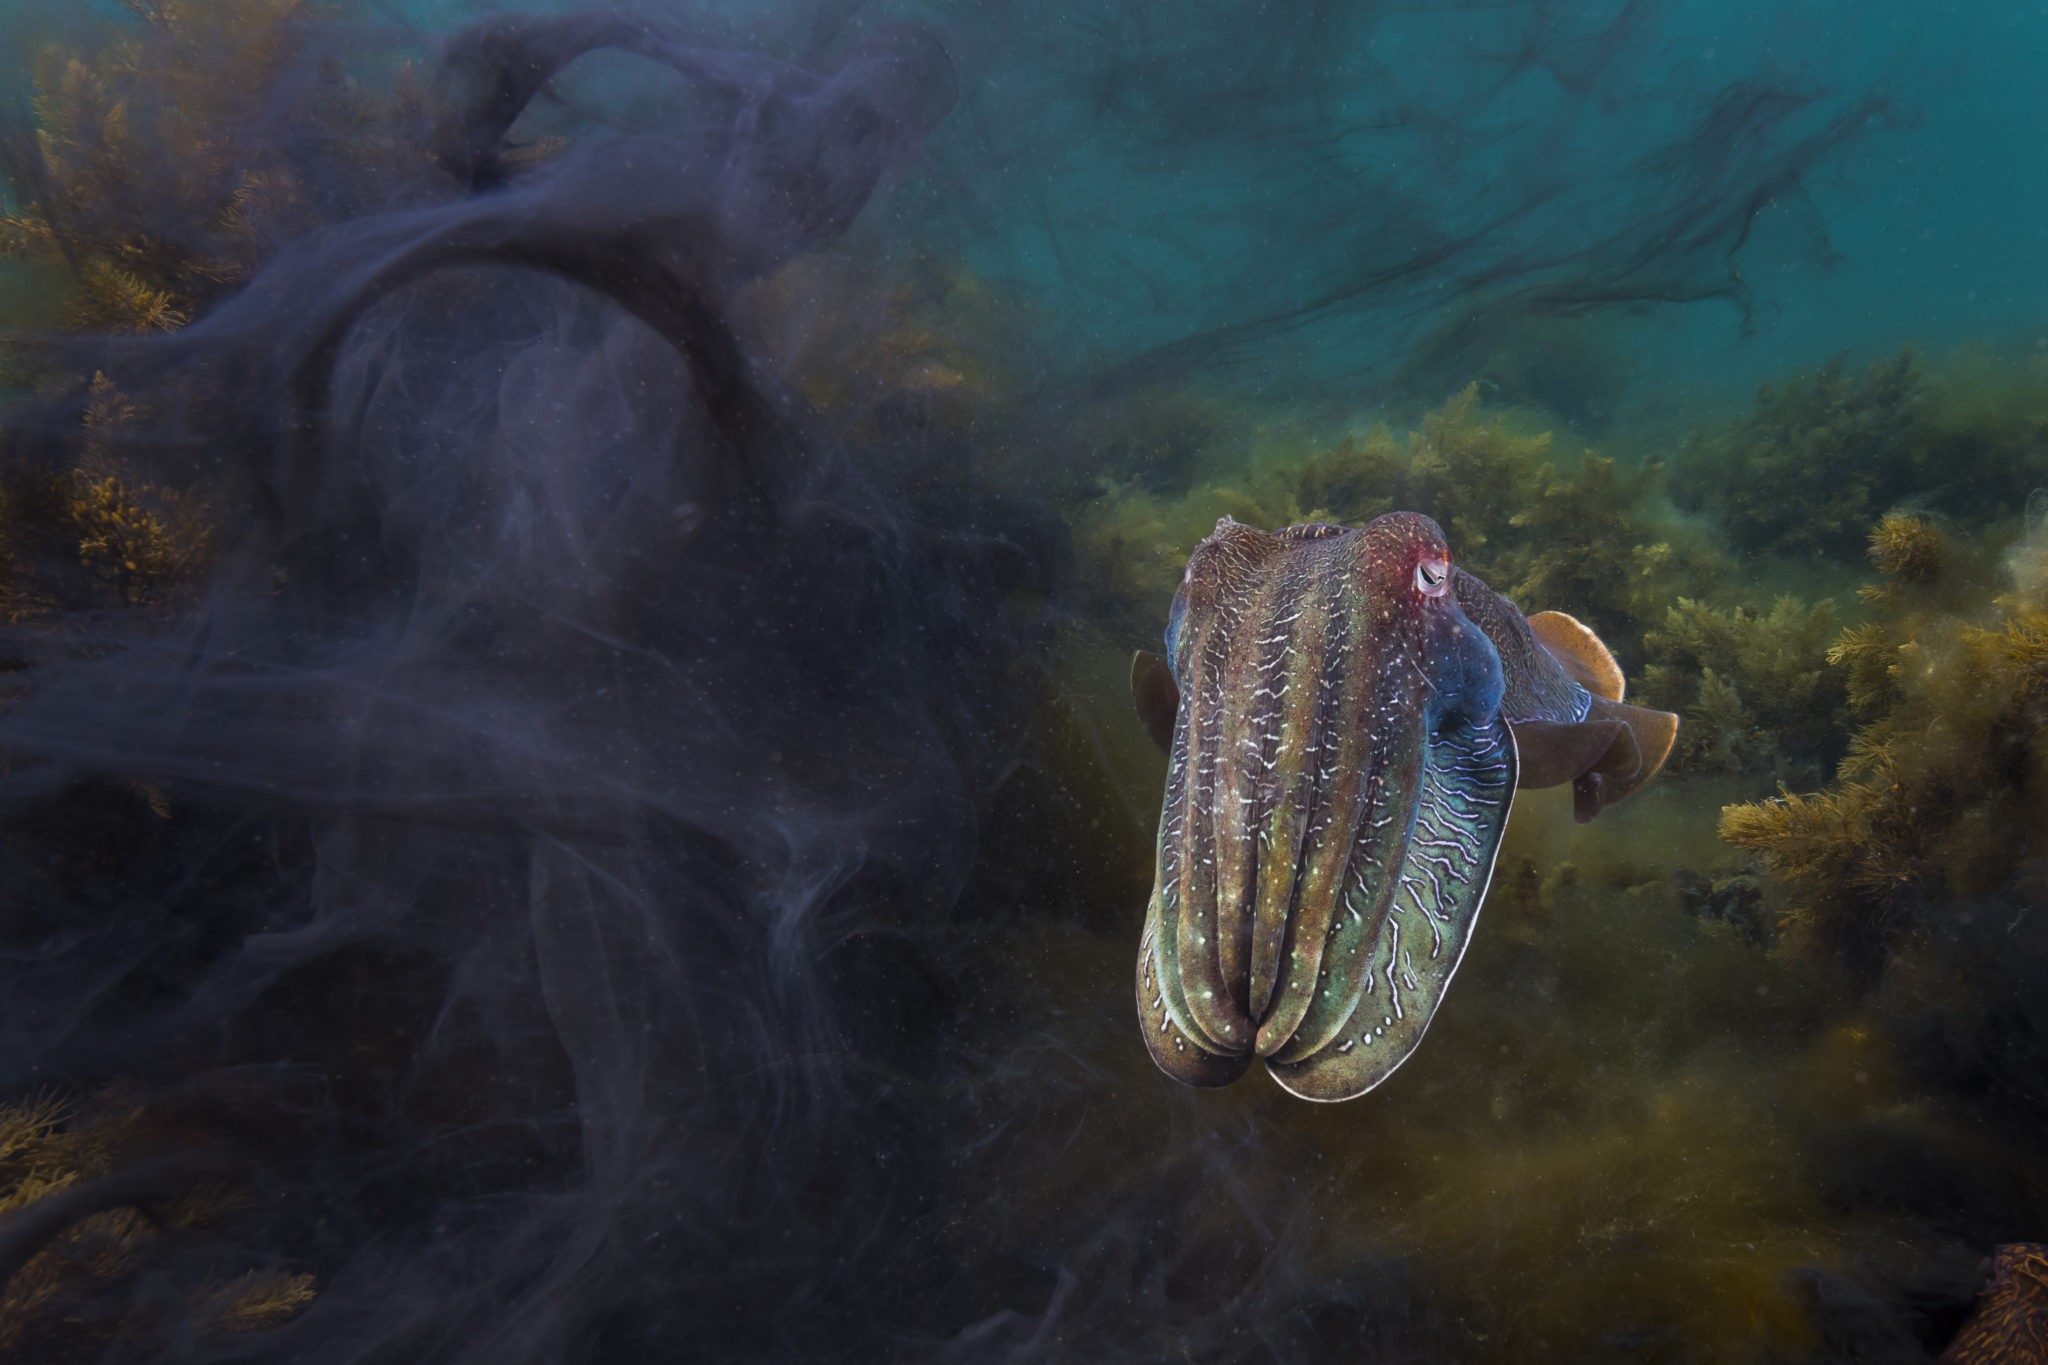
column 1347, row 716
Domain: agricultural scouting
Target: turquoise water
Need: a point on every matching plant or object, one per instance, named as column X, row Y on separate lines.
column 1147, row 173
column 568, row 787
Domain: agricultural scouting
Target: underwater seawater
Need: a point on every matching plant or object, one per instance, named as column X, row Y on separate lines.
column 569, row 781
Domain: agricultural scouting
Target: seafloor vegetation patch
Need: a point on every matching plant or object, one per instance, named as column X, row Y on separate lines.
column 1754, row 686
column 1942, row 798
column 169, row 159
column 170, row 162
column 128, row 1265
column 1822, row 457
column 1573, row 532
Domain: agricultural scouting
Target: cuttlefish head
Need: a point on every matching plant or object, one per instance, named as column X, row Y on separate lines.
column 1405, row 564
column 1397, row 571
column 1341, row 710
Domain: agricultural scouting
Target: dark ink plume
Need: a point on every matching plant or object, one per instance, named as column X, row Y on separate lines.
column 559, row 760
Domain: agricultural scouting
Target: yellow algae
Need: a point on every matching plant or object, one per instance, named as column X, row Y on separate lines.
column 1907, row 548
column 49, row 1146
column 157, row 187
column 1941, row 792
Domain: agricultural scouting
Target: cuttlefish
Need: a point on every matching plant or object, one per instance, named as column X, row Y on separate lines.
column 1347, row 715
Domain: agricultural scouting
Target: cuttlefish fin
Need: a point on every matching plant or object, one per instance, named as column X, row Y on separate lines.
column 1574, row 645
column 1157, row 696
column 1635, row 756
column 1612, row 752
column 1556, row 752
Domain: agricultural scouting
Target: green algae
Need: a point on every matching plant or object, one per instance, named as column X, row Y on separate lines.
column 1583, row 534
column 1822, row 457
column 1754, row 687
column 1943, row 792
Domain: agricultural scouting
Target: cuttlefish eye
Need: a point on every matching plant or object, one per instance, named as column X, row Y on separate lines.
column 1432, row 577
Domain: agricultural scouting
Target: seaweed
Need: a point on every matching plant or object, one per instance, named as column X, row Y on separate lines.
column 1907, row 549
column 900, row 360
column 1815, row 462
column 1591, row 536
column 1573, row 368
column 163, row 168
column 1754, row 687
column 129, row 546
column 1943, row 792
column 97, row 533
column 158, row 177
column 80, row 1234
column 2011, row 1318
column 17, row 603
column 1821, row 457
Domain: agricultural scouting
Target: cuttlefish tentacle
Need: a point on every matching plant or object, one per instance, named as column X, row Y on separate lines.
column 1347, row 717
